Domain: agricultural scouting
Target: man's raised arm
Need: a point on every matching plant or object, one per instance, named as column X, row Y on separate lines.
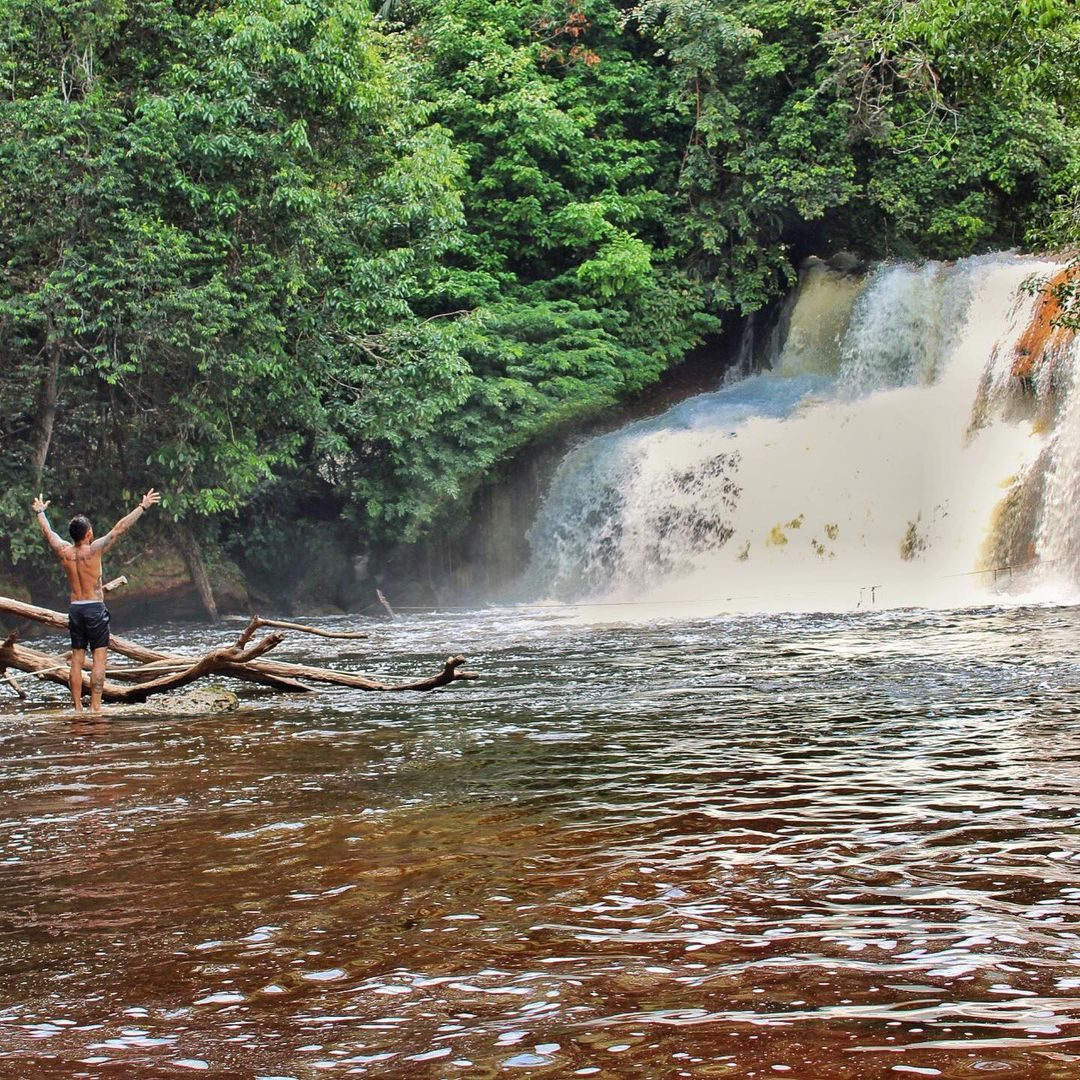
column 105, row 542
column 52, row 538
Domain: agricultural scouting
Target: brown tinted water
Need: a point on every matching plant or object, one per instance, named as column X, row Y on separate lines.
column 807, row 847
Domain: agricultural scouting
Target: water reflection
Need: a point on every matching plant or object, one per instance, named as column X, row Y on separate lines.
column 816, row 846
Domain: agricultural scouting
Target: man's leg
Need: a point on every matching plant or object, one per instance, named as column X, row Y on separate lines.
column 97, row 679
column 78, row 657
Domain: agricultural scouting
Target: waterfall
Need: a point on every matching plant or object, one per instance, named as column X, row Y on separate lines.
column 1058, row 536
column 892, row 456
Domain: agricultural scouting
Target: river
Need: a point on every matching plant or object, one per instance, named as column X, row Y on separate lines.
column 826, row 847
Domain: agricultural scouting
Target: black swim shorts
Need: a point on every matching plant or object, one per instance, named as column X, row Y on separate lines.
column 89, row 625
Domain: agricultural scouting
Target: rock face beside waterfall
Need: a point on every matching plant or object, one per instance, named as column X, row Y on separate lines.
column 1045, row 339
column 1032, row 527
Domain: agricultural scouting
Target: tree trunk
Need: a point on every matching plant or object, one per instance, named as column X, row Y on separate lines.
column 192, row 555
column 46, row 412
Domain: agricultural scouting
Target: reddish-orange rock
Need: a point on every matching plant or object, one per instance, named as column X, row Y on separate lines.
column 1043, row 335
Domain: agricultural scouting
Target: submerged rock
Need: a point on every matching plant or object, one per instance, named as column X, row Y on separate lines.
column 201, row 701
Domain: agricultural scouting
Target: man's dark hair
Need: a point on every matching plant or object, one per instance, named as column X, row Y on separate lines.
column 79, row 527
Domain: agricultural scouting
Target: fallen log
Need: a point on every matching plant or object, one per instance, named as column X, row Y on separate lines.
column 215, row 662
column 41, row 664
column 282, row 669
column 159, row 672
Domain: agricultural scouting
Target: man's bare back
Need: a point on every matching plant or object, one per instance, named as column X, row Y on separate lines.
column 83, row 568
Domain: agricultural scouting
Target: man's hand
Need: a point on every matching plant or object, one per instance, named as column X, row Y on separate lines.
column 38, row 505
column 149, row 499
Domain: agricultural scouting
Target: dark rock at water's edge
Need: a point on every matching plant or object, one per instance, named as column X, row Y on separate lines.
column 160, row 588
column 841, row 262
column 481, row 558
column 313, row 568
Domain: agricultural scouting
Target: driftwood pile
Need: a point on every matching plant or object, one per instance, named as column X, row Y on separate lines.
column 157, row 672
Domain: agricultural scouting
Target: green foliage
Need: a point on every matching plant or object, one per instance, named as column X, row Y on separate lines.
column 215, row 220
column 565, row 264
column 767, row 150
column 564, row 150
column 621, row 267
column 970, row 115
column 937, row 128
column 513, row 372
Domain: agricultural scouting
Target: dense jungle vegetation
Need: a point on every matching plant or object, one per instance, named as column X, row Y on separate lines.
column 296, row 259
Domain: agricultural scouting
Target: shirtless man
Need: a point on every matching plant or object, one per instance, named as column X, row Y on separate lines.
column 88, row 618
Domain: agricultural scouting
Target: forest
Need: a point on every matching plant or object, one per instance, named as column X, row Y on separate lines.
column 321, row 268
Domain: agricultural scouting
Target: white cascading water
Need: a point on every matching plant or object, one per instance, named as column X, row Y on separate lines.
column 1058, row 537
column 871, row 467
